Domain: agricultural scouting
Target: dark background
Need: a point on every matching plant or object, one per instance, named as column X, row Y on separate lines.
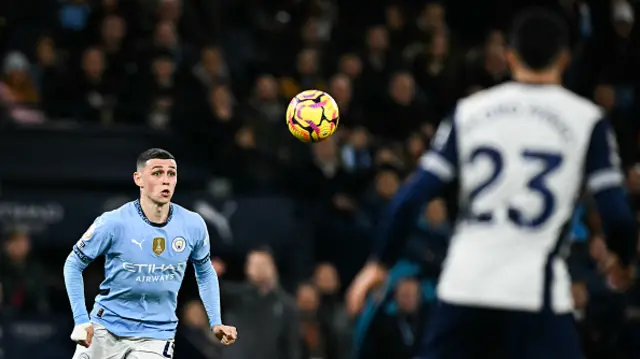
column 87, row 85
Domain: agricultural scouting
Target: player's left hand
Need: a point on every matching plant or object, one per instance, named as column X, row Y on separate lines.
column 619, row 278
column 370, row 276
column 225, row 333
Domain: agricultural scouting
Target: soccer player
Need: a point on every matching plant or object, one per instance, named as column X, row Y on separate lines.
column 147, row 244
column 520, row 153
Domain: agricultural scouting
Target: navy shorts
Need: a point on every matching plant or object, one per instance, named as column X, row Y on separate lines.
column 460, row 332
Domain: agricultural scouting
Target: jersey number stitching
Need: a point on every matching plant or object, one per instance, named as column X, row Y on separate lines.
column 537, row 184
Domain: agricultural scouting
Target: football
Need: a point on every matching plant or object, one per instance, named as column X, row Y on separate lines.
column 312, row 116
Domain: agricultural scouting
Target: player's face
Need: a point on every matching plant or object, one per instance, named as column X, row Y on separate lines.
column 157, row 180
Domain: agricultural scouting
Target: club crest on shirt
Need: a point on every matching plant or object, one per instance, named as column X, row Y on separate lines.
column 89, row 233
column 178, row 244
column 84, row 356
column 159, row 245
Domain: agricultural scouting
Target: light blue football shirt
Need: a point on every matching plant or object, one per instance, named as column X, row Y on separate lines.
column 144, row 268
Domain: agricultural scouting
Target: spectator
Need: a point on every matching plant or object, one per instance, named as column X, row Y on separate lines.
column 18, row 91
column 331, row 309
column 196, row 340
column 94, row 96
column 48, row 74
column 212, row 70
column 264, row 314
column 489, row 70
column 399, row 30
column 307, row 75
column 266, row 111
column 113, row 32
column 316, row 336
column 397, row 331
column 357, row 157
column 351, row 114
column 18, row 85
column 401, row 112
column 378, row 62
column 24, row 287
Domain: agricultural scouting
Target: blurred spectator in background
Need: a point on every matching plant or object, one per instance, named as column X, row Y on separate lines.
column 195, row 339
column 18, row 91
column 397, row 332
column 331, row 309
column 49, row 72
column 24, row 285
column 211, row 70
column 307, row 75
column 341, row 89
column 265, row 113
column 317, row 338
column 264, row 314
column 113, row 32
column 94, row 95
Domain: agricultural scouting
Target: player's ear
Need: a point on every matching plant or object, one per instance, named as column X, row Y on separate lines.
column 137, row 178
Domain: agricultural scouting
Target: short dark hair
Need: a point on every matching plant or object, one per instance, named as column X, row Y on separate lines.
column 539, row 36
column 153, row 153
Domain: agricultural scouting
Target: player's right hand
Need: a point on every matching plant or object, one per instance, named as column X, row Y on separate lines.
column 83, row 334
column 370, row 276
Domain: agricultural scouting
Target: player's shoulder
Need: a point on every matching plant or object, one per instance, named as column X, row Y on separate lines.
column 564, row 100
column 579, row 106
column 190, row 218
column 116, row 217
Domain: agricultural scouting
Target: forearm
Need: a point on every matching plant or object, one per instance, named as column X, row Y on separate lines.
column 209, row 289
column 619, row 224
column 401, row 214
column 73, row 281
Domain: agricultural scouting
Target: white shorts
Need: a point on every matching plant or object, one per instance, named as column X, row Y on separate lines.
column 108, row 346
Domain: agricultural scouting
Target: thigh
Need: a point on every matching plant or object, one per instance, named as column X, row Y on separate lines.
column 455, row 332
column 541, row 335
column 103, row 346
column 150, row 349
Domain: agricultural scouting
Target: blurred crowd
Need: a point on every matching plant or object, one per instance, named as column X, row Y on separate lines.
column 218, row 75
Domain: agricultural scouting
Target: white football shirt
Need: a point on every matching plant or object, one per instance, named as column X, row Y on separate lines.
column 522, row 153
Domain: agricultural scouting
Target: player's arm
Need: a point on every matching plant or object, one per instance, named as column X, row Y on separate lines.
column 436, row 169
column 209, row 287
column 605, row 181
column 93, row 243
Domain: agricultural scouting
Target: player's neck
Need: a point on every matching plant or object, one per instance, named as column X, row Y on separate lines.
column 156, row 213
column 548, row 77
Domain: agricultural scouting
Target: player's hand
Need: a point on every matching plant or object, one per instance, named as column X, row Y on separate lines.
column 619, row 278
column 83, row 334
column 225, row 333
column 371, row 275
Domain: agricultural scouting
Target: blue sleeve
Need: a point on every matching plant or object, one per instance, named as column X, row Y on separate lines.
column 605, row 181
column 200, row 252
column 206, row 275
column 209, row 290
column 437, row 168
column 92, row 244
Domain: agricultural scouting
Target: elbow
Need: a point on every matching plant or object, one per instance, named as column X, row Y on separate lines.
column 72, row 265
